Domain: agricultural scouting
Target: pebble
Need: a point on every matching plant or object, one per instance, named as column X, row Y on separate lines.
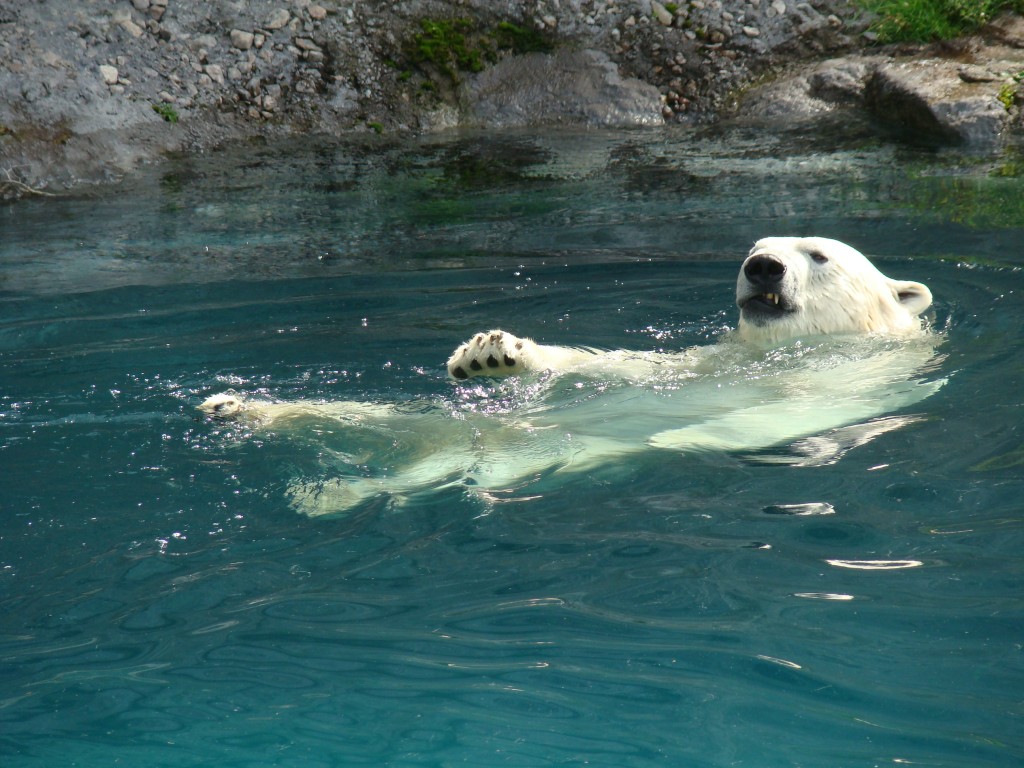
column 278, row 19
column 216, row 73
column 661, row 13
column 108, row 73
column 317, row 12
column 241, row 39
column 779, row 7
column 202, row 41
column 751, row 31
column 132, row 28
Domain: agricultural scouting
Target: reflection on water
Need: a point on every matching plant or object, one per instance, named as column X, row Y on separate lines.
column 331, row 207
column 163, row 604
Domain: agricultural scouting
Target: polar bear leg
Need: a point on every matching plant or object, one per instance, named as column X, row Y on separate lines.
column 498, row 353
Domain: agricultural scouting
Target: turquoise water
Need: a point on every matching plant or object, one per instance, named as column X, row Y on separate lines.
column 162, row 605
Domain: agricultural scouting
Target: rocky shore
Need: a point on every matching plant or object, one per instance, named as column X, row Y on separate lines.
column 92, row 88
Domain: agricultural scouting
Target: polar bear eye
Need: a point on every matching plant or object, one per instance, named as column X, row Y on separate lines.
column 818, row 256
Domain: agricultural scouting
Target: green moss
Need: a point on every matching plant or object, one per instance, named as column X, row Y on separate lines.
column 1006, row 95
column 443, row 44
column 928, row 20
column 167, row 112
column 376, row 127
column 512, row 37
column 445, row 49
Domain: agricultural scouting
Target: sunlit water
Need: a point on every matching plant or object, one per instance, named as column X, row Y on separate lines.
column 163, row 605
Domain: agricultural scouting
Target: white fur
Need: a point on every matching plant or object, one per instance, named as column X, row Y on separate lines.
column 842, row 346
column 845, row 294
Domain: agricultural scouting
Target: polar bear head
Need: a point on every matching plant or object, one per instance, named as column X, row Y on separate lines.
column 798, row 286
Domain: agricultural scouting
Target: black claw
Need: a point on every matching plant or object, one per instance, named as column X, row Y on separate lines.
column 475, row 365
column 510, row 361
column 460, row 373
column 492, row 361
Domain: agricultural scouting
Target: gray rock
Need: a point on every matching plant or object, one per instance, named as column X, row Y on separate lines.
column 241, row 39
column 566, row 87
column 927, row 101
column 824, row 88
column 278, row 19
column 921, row 99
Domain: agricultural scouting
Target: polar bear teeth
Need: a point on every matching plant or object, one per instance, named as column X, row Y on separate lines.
column 772, row 297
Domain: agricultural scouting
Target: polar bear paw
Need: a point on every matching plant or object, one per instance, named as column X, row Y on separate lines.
column 495, row 353
column 223, row 405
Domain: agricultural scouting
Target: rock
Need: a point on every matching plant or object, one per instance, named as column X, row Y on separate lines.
column 699, row 53
column 216, row 73
column 926, row 101
column 198, row 42
column 278, row 19
column 842, row 81
column 241, row 39
column 566, row 87
column 661, row 13
column 1008, row 29
column 108, row 73
column 132, row 28
column 970, row 73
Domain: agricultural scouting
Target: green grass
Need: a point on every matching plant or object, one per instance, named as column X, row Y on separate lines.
column 929, row 20
column 167, row 112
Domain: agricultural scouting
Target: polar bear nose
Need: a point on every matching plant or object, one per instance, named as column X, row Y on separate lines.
column 764, row 271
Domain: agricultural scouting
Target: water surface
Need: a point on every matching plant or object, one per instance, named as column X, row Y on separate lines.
column 163, row 605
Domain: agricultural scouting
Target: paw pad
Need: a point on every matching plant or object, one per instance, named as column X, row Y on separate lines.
column 487, row 354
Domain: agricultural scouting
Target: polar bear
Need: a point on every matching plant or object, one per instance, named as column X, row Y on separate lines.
column 788, row 287
column 825, row 347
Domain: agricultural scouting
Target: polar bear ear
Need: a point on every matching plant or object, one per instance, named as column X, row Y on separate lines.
column 913, row 297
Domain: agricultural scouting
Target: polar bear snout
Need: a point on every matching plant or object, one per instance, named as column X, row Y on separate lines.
column 761, row 291
column 764, row 271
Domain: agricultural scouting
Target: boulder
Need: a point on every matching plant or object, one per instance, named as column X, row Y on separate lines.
column 920, row 98
column 566, row 87
column 928, row 101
